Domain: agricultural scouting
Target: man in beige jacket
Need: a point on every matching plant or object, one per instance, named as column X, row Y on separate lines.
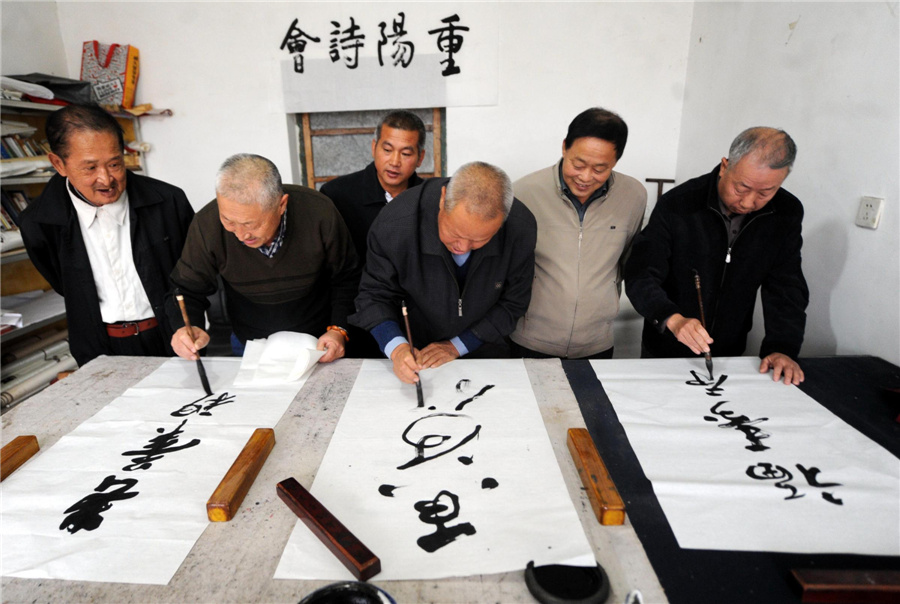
column 587, row 216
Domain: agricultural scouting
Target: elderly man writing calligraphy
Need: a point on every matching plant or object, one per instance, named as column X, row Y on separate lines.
column 284, row 255
column 741, row 232
column 460, row 253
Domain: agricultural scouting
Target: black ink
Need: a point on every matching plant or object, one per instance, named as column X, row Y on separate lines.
column 387, row 490
column 432, row 408
column 460, row 406
column 450, row 42
column 295, row 44
column 697, row 381
column 462, row 384
column 743, row 424
column 466, row 461
column 157, row 448
column 403, row 50
column 832, row 499
column 199, row 408
column 352, row 40
column 770, row 472
column 430, row 441
column 489, row 483
column 433, row 512
column 86, row 513
column 715, row 389
column 811, row 475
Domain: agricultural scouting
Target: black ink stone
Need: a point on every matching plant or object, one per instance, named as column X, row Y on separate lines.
column 349, row 592
column 489, row 483
column 558, row 584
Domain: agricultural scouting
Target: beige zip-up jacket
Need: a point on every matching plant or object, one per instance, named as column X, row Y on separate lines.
column 578, row 267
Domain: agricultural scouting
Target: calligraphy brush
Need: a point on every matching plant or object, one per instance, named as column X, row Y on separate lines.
column 419, row 394
column 190, row 330
column 709, row 364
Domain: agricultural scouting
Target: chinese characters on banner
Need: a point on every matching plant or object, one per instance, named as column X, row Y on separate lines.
column 467, row 485
column 732, row 460
column 122, row 498
column 347, row 39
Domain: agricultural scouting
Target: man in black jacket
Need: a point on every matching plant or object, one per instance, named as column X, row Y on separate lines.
column 460, row 253
column 398, row 148
column 741, row 232
column 104, row 239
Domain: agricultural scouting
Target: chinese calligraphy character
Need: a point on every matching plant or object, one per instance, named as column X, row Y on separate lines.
column 86, row 513
column 198, row 407
column 403, row 50
column 713, row 390
column 766, row 471
column 427, row 436
column 741, row 423
column 439, row 511
column 352, row 41
column 295, row 43
column 449, row 41
column 157, row 448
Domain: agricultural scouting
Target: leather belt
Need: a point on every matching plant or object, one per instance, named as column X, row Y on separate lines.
column 130, row 328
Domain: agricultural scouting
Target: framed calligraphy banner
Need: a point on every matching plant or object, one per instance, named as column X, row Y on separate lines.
column 741, row 462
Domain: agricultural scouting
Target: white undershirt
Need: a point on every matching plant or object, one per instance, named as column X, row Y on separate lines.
column 106, row 231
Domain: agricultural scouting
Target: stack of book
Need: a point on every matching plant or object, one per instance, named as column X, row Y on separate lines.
column 17, row 141
column 13, row 202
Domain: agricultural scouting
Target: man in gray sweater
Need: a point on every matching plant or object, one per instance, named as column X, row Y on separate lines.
column 587, row 216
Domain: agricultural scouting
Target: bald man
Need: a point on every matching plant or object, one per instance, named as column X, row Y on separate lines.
column 741, row 232
column 460, row 253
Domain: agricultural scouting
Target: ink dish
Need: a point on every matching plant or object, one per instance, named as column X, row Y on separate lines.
column 349, row 592
column 560, row 584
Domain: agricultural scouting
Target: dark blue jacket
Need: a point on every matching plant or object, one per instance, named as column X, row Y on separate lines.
column 406, row 260
column 687, row 231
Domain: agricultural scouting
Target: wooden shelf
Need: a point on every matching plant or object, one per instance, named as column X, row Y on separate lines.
column 19, row 332
column 13, row 256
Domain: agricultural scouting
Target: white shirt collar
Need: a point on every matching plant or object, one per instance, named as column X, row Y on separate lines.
column 87, row 213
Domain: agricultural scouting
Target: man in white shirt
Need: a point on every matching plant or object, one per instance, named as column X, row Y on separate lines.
column 104, row 239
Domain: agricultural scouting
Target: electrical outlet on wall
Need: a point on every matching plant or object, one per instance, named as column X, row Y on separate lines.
column 869, row 212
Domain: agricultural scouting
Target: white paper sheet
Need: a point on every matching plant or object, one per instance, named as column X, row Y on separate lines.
column 141, row 538
column 719, row 456
column 509, row 486
column 285, row 356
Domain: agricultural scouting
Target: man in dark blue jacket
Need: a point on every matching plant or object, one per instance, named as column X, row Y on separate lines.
column 460, row 253
column 741, row 232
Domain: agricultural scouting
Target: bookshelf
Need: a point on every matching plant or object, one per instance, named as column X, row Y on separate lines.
column 17, row 274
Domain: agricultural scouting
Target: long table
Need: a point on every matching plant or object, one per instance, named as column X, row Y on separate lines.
column 856, row 389
column 235, row 561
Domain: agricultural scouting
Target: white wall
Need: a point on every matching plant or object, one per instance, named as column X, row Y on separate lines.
column 828, row 74
column 216, row 65
column 31, row 40
column 686, row 77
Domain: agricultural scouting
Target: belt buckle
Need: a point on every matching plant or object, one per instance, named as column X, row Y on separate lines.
column 136, row 324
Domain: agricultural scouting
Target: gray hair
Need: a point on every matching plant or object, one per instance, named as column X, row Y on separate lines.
column 775, row 147
column 250, row 179
column 484, row 189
